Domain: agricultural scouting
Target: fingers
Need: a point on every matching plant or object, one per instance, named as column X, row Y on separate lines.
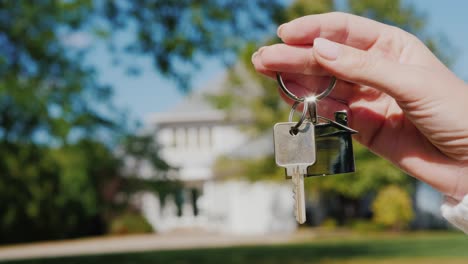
column 298, row 67
column 258, row 64
column 405, row 83
column 287, row 58
column 343, row 28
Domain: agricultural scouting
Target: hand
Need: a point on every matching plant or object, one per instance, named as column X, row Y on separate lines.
column 407, row 106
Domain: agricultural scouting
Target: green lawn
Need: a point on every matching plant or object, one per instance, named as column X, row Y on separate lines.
column 443, row 248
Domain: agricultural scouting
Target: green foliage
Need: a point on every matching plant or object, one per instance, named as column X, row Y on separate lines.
column 130, row 223
column 53, row 192
column 366, row 226
column 301, row 8
column 69, row 191
column 61, row 169
column 141, row 153
column 393, row 12
column 329, row 224
column 45, row 91
column 176, row 33
column 263, row 168
column 60, row 174
column 393, row 208
column 372, row 173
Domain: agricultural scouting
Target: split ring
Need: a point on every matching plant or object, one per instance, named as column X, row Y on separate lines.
column 302, row 99
column 295, row 128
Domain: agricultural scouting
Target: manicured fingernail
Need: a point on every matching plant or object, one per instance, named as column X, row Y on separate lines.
column 278, row 31
column 327, row 49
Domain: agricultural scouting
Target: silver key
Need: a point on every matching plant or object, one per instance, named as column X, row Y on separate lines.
column 295, row 151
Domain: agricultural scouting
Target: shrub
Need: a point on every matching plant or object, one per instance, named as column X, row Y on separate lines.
column 130, row 223
column 393, row 208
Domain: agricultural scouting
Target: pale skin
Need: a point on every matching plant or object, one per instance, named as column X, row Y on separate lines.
column 407, row 105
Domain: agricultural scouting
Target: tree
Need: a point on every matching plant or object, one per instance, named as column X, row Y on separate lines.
column 51, row 165
column 53, row 192
column 180, row 34
column 57, row 145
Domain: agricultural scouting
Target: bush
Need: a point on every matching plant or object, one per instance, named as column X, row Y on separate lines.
column 329, row 224
column 130, row 223
column 393, row 208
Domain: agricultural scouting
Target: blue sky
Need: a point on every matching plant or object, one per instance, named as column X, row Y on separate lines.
column 149, row 92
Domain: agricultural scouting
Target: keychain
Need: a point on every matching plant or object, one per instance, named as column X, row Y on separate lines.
column 333, row 141
column 312, row 146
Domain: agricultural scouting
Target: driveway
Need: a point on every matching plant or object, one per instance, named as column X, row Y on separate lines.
column 135, row 243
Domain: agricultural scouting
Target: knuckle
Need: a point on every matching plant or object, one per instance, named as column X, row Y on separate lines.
column 309, row 64
column 362, row 65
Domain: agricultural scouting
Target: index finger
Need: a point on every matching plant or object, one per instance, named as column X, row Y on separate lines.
column 351, row 30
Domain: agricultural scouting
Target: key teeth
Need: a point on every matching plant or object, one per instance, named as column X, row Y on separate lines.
column 295, row 203
column 294, row 198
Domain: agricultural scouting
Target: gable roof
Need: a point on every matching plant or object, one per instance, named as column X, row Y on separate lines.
column 193, row 107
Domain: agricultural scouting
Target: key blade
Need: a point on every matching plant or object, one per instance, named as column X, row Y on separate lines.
column 299, row 196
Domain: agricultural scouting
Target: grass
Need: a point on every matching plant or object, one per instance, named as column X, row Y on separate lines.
column 446, row 248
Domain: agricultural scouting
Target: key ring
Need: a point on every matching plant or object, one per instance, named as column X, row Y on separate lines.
column 302, row 99
column 295, row 129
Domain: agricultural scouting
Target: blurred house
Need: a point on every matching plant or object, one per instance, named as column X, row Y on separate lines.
column 192, row 136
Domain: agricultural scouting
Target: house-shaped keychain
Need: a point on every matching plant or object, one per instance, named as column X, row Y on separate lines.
column 334, row 147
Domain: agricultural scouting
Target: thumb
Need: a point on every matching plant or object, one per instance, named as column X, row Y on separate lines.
column 402, row 82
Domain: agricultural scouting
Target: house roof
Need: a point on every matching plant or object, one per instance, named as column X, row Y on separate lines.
column 193, row 107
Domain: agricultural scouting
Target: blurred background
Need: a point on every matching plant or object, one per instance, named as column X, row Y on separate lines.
column 125, row 117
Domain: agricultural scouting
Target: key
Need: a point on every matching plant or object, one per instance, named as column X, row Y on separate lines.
column 295, row 151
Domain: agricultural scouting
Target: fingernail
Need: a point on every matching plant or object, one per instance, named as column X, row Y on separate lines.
column 254, row 55
column 327, row 49
column 278, row 31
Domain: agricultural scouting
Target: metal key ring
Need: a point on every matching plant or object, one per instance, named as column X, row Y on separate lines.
column 302, row 99
column 295, row 128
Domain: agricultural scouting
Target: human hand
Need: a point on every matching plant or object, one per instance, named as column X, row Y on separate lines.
column 407, row 106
